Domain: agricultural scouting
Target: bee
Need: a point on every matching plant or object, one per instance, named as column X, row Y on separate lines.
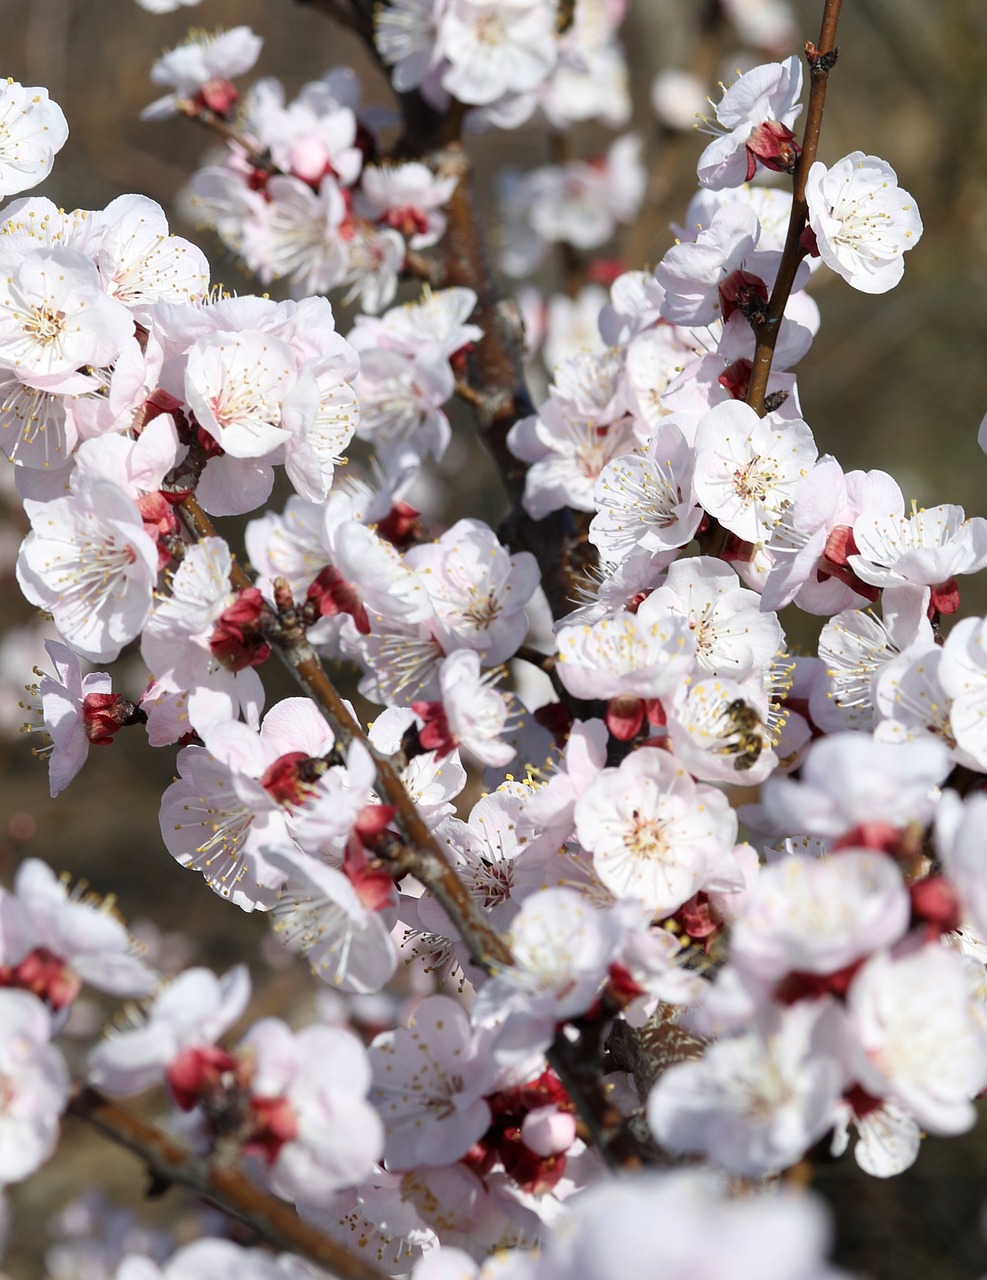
column 745, row 734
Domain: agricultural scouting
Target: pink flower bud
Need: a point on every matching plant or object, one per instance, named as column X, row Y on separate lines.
column 547, row 1131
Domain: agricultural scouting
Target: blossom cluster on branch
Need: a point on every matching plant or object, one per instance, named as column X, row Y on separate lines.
column 717, row 900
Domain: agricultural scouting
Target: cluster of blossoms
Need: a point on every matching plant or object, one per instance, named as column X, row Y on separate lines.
column 303, row 193
column 804, row 965
column 506, row 59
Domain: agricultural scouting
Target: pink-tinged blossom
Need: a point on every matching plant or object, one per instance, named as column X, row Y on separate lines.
column 591, row 79
column 72, row 937
column 187, row 647
column 35, row 430
column 917, row 1035
column 140, row 263
column 435, row 324
column 471, row 714
column 911, row 698
column 199, row 71
column 655, row 834
column 719, row 731
column 323, row 1075
column 432, row 783
column 313, row 134
column 655, row 961
column 734, row 638
column 430, row 1080
column 545, row 820
column 653, row 366
column 190, row 1013
column 495, row 47
column 685, row 1224
column 610, row 589
column 401, row 401
column 862, row 220
column 888, row 1139
column 747, row 468
column 645, row 501
column 766, row 24
column 809, row 544
column 36, row 222
column 402, row 661
column 773, row 206
column 374, row 258
column 692, row 272
column 405, row 34
column 634, row 307
column 856, row 645
column 677, row 98
column 55, row 317
column 571, row 325
column 213, row 1259
column 962, row 679
column 164, row 6
column 298, row 235
column 621, row 655
column 321, row 914
column 563, row 948
column 849, row 780
column 960, row 842
column 77, row 712
column 89, row 562
column 291, row 545
column 235, row 384
column 817, row 916
column 35, row 1086
column 478, row 590
column 924, row 549
column 320, row 414
column 138, row 466
column 234, row 799
column 408, row 198
column 756, row 114
column 582, row 203
column 32, row 129
column 755, row 1103
column 325, row 813
column 567, row 450
column 491, row 854
column 488, row 854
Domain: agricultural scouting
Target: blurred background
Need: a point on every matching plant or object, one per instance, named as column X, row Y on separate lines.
column 897, row 382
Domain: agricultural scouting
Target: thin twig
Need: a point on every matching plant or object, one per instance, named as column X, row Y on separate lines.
column 820, row 58
column 220, row 1184
column 216, row 124
column 543, row 661
column 469, row 394
column 417, row 265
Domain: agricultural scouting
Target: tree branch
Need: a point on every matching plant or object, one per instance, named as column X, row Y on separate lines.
column 216, row 124
column 287, row 636
column 499, row 393
column 821, row 59
column 220, row 1184
column 580, row 1074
